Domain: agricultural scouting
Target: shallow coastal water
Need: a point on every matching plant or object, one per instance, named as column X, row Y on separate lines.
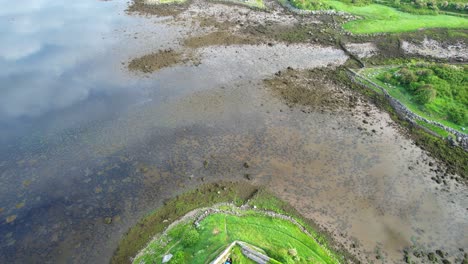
column 84, row 141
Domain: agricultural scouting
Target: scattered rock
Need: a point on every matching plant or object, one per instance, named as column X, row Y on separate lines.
column 167, row 258
column 11, row 218
column 440, row 253
column 292, row 252
column 108, row 220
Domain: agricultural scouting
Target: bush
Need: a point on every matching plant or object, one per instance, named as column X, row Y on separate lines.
column 406, row 76
column 387, row 77
column 425, row 94
column 178, row 258
column 414, row 86
column 457, row 115
column 190, row 238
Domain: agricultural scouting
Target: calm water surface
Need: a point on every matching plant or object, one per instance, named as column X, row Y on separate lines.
column 82, row 139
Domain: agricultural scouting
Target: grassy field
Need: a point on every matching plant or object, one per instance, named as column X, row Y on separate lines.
column 279, row 238
column 377, row 18
column 448, row 100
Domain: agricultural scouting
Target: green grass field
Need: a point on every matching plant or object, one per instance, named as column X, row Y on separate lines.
column 379, row 18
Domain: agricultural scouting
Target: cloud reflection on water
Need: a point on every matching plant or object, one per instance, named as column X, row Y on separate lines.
column 48, row 51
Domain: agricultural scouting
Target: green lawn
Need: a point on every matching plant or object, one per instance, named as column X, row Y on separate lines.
column 379, row 18
column 278, row 238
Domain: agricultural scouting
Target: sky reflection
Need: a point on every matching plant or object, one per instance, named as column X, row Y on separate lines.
column 49, row 53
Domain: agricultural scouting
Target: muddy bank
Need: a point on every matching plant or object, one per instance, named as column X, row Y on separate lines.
column 310, row 89
column 142, row 8
column 219, row 38
column 250, row 61
column 159, row 60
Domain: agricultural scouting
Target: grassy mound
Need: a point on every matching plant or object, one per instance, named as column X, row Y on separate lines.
column 281, row 239
column 207, row 195
column 318, row 245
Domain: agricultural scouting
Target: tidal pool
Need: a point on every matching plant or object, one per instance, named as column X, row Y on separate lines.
column 87, row 147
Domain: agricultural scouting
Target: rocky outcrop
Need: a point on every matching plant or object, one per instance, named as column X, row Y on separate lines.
column 432, row 48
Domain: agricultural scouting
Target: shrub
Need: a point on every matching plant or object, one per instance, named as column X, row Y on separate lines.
column 425, row 94
column 190, row 238
column 178, row 258
column 457, row 115
column 387, row 77
column 406, row 76
column 414, row 86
